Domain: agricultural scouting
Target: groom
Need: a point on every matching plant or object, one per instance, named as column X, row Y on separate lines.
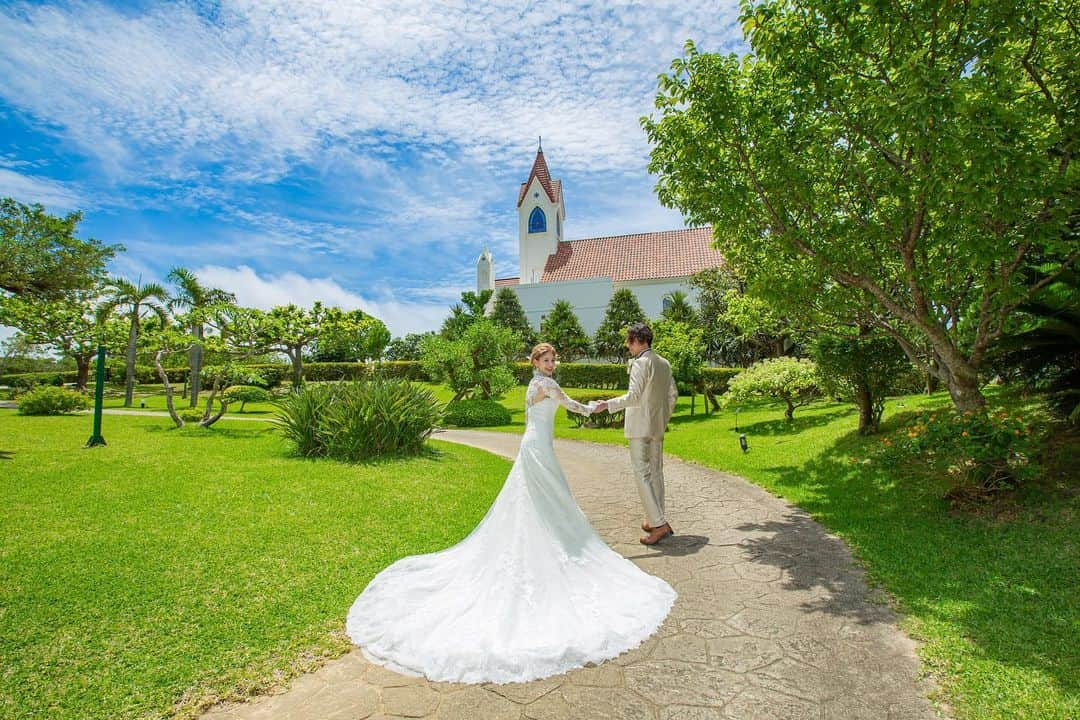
column 649, row 403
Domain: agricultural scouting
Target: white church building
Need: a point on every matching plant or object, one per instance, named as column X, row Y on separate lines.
column 588, row 271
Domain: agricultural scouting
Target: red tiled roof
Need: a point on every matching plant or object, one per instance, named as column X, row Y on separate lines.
column 540, row 172
column 503, row 282
column 643, row 256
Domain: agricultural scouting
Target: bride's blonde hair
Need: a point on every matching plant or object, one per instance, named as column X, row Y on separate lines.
column 541, row 350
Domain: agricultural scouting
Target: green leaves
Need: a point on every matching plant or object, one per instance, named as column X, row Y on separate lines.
column 623, row 310
column 357, row 421
column 479, row 362
column 562, row 329
column 793, row 381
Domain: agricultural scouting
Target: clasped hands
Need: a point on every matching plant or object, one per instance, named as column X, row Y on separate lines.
column 598, row 405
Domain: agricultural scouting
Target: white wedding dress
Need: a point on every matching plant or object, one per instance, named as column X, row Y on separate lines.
column 533, row 591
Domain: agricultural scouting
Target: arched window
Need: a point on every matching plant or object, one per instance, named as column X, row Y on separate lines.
column 558, row 227
column 667, row 304
column 537, row 221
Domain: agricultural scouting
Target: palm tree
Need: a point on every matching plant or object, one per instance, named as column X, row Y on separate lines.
column 194, row 297
column 134, row 301
column 677, row 307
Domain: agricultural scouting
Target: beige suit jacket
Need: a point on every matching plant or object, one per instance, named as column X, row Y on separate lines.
column 650, row 400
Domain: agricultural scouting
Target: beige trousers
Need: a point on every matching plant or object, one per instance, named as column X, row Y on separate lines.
column 647, row 458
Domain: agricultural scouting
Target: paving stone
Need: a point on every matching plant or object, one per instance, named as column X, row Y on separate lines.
column 757, row 703
column 669, row 682
column 351, row 701
column 606, row 675
column 378, row 675
column 685, row 647
column 605, row 704
column 411, row 701
column 742, row 654
column 475, row 702
column 690, row 712
column 524, row 693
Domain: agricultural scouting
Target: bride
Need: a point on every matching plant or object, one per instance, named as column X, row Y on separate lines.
column 533, row 591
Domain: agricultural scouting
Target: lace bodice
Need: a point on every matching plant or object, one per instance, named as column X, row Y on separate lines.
column 546, row 386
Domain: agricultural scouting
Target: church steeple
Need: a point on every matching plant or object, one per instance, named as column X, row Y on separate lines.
column 541, row 214
column 485, row 271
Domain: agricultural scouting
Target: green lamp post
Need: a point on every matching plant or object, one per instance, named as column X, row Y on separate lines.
column 99, row 392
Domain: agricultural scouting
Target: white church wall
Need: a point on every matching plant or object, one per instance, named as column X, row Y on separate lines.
column 534, row 248
column 589, row 298
column 650, row 293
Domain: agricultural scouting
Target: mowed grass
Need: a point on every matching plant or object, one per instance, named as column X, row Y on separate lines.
column 994, row 598
column 176, row 566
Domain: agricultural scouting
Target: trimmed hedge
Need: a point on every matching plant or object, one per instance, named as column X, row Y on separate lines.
column 476, row 413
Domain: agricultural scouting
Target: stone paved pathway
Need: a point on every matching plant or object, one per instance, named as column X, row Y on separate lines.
column 773, row 621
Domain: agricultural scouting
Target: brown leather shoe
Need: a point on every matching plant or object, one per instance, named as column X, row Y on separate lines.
column 657, row 534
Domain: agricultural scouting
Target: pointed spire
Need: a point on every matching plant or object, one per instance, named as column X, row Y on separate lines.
column 541, row 173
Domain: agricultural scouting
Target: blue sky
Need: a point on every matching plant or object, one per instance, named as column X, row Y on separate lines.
column 359, row 153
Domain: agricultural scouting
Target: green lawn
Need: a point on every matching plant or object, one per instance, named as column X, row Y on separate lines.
column 175, row 565
column 996, row 601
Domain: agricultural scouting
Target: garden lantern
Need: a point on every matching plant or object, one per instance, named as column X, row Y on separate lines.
column 742, row 442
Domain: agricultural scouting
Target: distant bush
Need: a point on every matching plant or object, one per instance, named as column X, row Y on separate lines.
column 190, row 415
column 603, row 419
column 52, row 401
column 476, row 413
column 244, row 394
column 359, row 420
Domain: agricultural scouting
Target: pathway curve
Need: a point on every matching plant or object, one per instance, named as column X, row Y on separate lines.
column 773, row 621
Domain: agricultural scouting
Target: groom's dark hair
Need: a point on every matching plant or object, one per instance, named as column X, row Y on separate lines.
column 640, row 332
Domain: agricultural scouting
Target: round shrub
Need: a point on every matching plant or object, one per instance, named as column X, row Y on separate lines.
column 190, row 415
column 359, row 420
column 244, row 394
column 476, row 413
column 48, row 400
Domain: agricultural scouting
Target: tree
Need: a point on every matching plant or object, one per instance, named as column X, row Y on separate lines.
column 469, row 310
column 69, row 326
column 290, row 330
column 509, row 313
column 562, row 329
column 678, row 308
column 904, row 162
column 623, row 310
column 479, row 361
column 134, row 302
column 723, row 341
column 862, row 365
column 40, row 255
column 350, row 336
column 793, row 381
column 406, row 348
column 683, row 345
column 196, row 299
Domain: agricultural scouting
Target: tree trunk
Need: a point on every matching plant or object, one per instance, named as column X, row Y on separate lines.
column 789, row 412
column 865, row 401
column 207, row 419
column 82, row 369
column 168, row 389
column 195, row 360
column 965, row 392
column 129, row 378
column 297, row 358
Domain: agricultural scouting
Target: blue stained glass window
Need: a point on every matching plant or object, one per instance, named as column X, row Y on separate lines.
column 537, row 221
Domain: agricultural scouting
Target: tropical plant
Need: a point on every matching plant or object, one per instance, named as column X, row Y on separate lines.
column 683, row 345
column 406, row 348
column 677, row 307
column 623, row 310
column 562, row 329
column 357, row 421
column 196, row 300
column 479, row 362
column 901, row 166
column 134, row 302
column 790, row 380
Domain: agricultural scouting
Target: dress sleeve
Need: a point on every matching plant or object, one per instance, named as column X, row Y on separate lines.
column 552, row 389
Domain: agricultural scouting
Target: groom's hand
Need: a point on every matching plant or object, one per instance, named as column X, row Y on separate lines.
column 601, row 406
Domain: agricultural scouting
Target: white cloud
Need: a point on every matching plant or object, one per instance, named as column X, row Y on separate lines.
column 54, row 195
column 267, row 290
